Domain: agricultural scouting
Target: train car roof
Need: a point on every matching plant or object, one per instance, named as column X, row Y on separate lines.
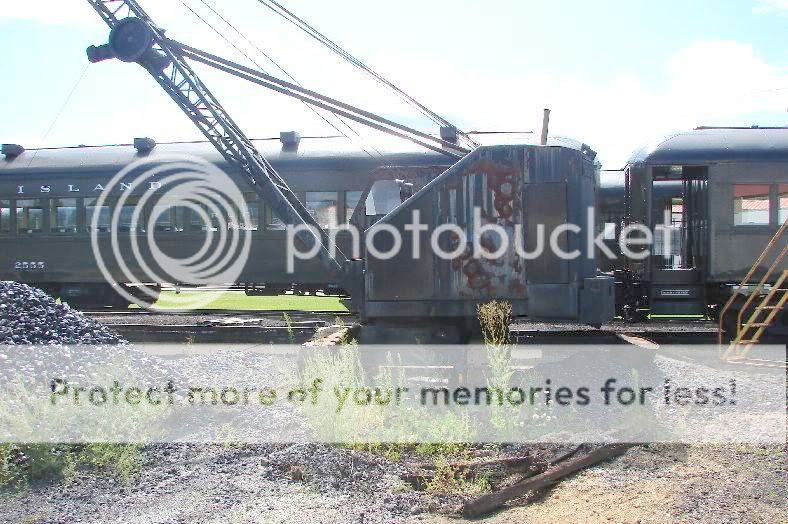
column 312, row 152
column 705, row 145
column 611, row 188
column 323, row 151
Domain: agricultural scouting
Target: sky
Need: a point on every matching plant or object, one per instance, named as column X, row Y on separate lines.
column 617, row 75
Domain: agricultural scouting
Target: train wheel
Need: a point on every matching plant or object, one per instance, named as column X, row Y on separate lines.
column 147, row 298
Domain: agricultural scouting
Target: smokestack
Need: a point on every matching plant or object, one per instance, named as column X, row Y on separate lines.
column 545, row 125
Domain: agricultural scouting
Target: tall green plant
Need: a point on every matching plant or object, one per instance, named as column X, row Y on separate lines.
column 495, row 319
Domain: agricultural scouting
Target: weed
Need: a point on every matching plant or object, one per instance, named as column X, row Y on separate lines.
column 495, row 318
column 228, row 437
column 451, row 480
column 22, row 464
column 289, row 326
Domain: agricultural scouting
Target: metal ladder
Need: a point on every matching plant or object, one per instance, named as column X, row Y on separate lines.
column 769, row 304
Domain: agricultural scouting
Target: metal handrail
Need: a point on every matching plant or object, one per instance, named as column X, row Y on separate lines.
column 760, row 286
column 735, row 345
column 738, row 290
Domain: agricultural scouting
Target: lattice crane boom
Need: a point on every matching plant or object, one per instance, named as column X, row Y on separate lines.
column 134, row 37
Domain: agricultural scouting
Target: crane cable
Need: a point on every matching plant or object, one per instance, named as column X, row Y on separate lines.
column 252, row 60
column 60, row 112
column 360, row 141
column 289, row 16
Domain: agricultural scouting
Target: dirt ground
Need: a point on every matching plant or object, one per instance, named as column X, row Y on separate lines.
column 660, row 483
column 649, row 484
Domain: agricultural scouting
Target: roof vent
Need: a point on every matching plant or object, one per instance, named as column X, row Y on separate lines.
column 144, row 145
column 12, row 150
column 449, row 134
column 290, row 140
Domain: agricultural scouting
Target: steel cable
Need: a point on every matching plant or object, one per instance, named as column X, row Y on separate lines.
column 253, row 61
column 289, row 16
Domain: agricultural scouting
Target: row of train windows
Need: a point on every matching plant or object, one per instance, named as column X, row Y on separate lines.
column 70, row 215
column 752, row 204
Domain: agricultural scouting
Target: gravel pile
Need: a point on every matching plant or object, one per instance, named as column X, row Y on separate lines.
column 67, row 343
column 30, row 316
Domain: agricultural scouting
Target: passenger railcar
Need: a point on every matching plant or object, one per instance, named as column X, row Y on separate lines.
column 732, row 197
column 49, row 196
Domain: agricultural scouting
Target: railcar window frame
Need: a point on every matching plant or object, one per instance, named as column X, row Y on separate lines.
column 132, row 203
column 53, row 207
column 253, row 202
column 7, row 228
column 312, row 197
column 345, row 204
column 195, row 225
column 769, row 204
column 109, row 205
column 39, row 204
column 273, row 222
column 172, row 210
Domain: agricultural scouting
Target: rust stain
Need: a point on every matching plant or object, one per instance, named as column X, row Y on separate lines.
column 481, row 274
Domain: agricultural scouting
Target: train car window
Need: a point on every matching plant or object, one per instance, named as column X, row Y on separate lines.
column 383, row 197
column 29, row 216
column 322, row 205
column 272, row 221
column 101, row 213
column 254, row 217
column 63, row 215
column 250, row 222
column 165, row 219
column 782, row 193
column 750, row 204
column 5, row 217
column 351, row 201
column 131, row 217
column 609, row 231
column 207, row 220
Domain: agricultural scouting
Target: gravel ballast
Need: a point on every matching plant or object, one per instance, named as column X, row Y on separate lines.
column 321, row 483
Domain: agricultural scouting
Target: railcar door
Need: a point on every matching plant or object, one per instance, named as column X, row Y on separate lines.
column 679, row 222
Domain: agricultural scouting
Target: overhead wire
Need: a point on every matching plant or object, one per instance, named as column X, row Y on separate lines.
column 253, row 61
column 61, row 110
column 292, row 18
column 288, row 75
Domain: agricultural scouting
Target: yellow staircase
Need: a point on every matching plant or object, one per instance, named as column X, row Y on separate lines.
column 768, row 303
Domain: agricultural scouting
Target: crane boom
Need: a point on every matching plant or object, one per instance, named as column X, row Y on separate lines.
column 134, row 37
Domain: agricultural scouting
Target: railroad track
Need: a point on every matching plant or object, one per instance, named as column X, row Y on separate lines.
column 523, row 332
column 267, row 313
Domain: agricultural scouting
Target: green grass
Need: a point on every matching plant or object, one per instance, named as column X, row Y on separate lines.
column 21, row 464
column 238, row 300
